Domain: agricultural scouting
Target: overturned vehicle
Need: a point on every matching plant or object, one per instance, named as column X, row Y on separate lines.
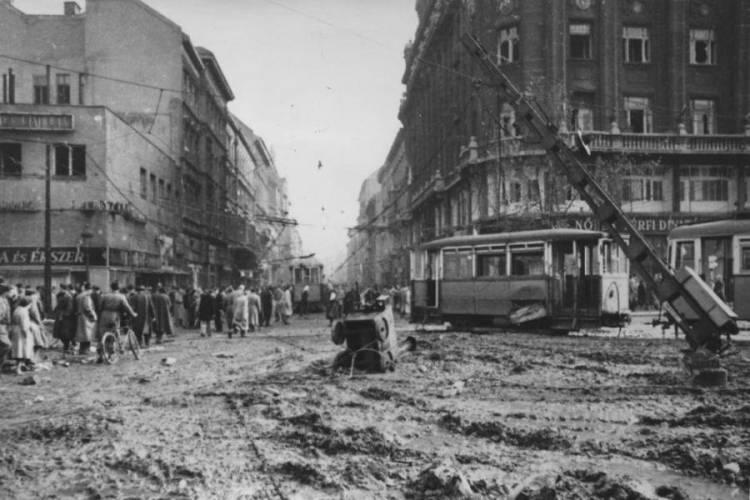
column 369, row 338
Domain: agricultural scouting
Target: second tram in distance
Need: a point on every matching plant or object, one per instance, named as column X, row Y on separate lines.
column 559, row 279
column 308, row 272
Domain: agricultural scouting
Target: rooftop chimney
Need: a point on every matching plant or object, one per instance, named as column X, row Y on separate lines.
column 72, row 9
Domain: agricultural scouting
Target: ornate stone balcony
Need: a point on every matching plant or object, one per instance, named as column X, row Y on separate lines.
column 606, row 142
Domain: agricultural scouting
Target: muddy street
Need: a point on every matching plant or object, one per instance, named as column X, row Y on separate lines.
column 494, row 415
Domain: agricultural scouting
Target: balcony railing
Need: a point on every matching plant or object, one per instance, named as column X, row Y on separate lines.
column 626, row 143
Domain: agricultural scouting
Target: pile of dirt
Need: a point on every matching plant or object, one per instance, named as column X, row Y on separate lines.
column 305, row 473
column 706, row 416
column 661, row 378
column 580, row 484
column 536, row 439
column 79, row 429
column 440, row 480
column 312, row 432
column 379, row 394
column 617, row 358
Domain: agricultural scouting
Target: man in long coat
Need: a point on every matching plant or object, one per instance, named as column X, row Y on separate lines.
column 144, row 308
column 65, row 322
column 241, row 315
column 162, row 314
column 253, row 302
column 219, row 309
column 206, row 312
column 266, row 304
column 286, row 304
column 86, row 320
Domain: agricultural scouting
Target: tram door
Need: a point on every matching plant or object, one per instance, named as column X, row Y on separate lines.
column 431, row 275
column 564, row 283
column 575, row 279
column 716, row 256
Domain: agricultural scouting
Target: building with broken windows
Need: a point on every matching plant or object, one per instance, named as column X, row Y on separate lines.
column 152, row 181
column 659, row 90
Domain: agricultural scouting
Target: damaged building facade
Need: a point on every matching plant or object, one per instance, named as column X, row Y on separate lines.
column 660, row 91
column 152, row 179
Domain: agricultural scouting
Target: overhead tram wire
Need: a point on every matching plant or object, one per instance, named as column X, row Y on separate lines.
column 406, row 187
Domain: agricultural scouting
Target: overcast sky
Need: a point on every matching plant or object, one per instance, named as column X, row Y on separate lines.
column 319, row 80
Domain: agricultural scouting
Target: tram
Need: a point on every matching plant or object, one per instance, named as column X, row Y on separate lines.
column 716, row 249
column 557, row 279
column 308, row 272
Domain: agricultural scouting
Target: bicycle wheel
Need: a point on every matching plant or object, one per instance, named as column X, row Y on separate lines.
column 135, row 348
column 110, row 349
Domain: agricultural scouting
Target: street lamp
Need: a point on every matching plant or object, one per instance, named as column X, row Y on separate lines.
column 86, row 236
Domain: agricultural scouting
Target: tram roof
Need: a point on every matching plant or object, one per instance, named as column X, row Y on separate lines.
column 514, row 237
column 708, row 229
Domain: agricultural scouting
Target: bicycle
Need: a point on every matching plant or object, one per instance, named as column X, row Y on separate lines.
column 112, row 344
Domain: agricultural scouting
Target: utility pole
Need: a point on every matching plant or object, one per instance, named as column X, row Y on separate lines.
column 48, row 231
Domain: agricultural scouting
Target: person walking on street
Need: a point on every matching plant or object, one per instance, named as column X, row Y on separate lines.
column 253, row 304
column 65, row 320
column 206, row 313
column 162, row 314
column 303, row 301
column 286, row 305
column 219, row 310
column 21, row 338
column 144, row 309
column 178, row 307
column 266, row 304
column 240, row 315
column 5, row 319
column 278, row 297
column 86, row 316
column 332, row 307
column 189, row 303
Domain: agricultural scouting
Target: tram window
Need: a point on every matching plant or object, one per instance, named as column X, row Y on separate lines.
column 745, row 256
column 315, row 276
column 456, row 266
column 527, row 263
column 685, row 254
column 491, row 265
column 418, row 266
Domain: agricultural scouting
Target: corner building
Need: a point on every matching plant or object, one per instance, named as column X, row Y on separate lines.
column 147, row 182
column 660, row 90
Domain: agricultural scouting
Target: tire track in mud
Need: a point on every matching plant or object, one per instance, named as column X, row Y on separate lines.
column 271, row 489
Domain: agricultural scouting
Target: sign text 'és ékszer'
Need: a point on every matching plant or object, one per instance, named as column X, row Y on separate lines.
column 70, row 256
column 34, row 121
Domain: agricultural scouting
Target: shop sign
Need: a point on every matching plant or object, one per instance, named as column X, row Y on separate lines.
column 115, row 207
column 17, row 206
column 27, row 121
column 644, row 224
column 71, row 256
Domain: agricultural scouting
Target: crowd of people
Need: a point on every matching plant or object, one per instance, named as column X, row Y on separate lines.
column 342, row 300
column 80, row 314
column 240, row 309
